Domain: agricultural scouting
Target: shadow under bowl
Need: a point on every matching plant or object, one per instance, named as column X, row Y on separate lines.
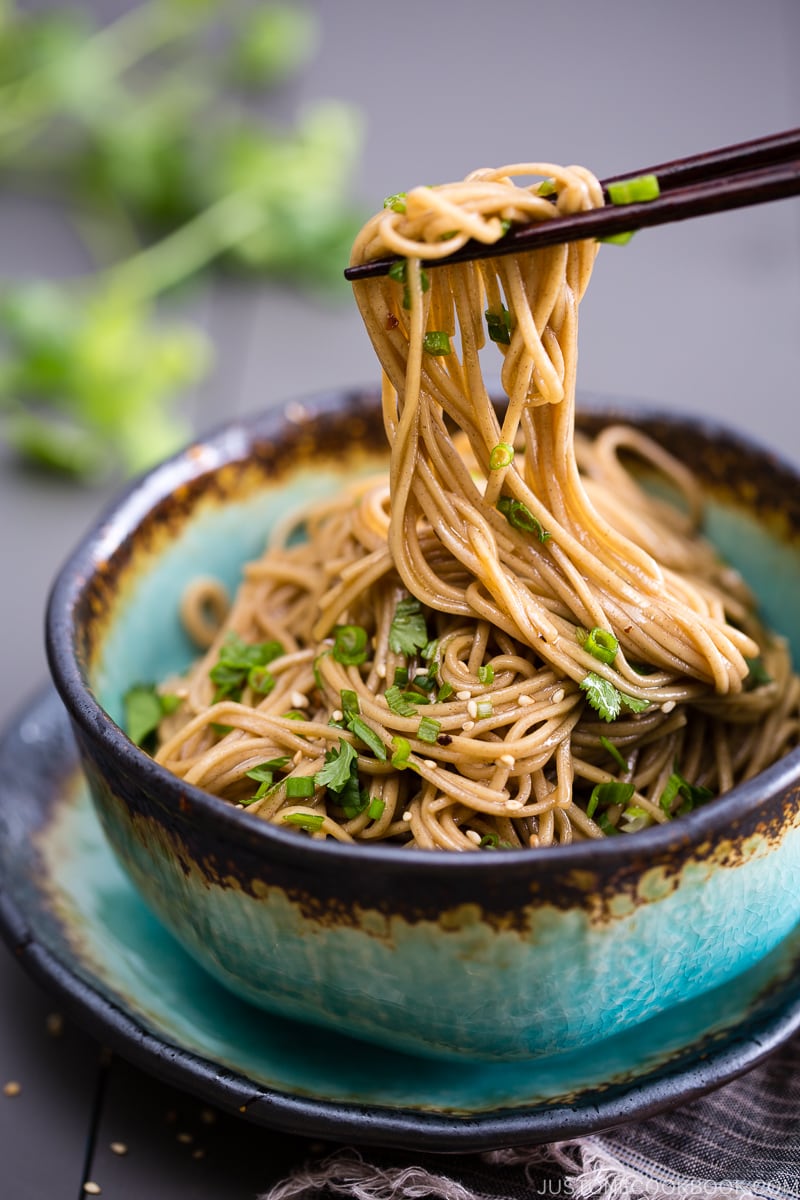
column 510, row 955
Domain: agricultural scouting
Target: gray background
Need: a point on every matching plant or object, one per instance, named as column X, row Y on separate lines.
column 701, row 317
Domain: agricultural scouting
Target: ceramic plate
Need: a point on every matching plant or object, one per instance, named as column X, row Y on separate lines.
column 76, row 923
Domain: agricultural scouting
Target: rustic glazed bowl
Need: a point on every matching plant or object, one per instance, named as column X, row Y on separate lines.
column 510, row 955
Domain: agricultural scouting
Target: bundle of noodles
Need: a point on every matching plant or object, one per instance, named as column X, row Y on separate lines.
column 509, row 642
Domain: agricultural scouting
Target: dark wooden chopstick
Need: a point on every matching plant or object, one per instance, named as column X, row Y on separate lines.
column 731, row 177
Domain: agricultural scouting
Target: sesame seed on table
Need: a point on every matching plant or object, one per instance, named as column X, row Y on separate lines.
column 668, row 319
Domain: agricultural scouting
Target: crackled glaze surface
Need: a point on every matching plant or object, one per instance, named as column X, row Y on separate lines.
column 478, row 956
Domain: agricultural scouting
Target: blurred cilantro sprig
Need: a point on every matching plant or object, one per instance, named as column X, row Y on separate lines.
column 148, row 132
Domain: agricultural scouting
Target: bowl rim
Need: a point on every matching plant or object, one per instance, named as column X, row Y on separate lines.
column 230, row 442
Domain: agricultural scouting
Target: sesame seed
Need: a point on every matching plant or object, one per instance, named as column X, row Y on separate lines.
column 507, row 760
column 91, row 1188
column 513, row 805
column 12, row 1088
column 337, row 714
column 296, row 413
column 525, row 700
column 297, row 757
column 473, row 836
column 429, row 763
column 558, row 696
column 467, row 725
column 667, row 706
column 463, row 695
column 54, row 1024
column 472, row 708
column 533, row 841
column 380, row 670
column 406, row 816
column 299, row 700
column 118, row 1148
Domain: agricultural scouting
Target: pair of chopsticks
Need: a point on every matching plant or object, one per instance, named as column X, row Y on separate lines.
column 719, row 180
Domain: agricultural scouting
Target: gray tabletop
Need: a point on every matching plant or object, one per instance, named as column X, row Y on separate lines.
column 702, row 316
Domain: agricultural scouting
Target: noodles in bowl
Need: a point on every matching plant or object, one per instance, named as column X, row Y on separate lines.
column 497, row 630
column 507, row 642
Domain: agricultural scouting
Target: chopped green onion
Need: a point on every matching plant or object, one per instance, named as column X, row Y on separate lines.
column 605, row 794
column 484, row 709
column 601, row 644
column 502, row 455
column 499, row 326
column 353, row 799
column 399, row 273
column 260, row 680
column 400, row 676
column 437, row 342
column 299, row 787
column 444, row 693
column 397, row 202
column 757, row 675
column 401, row 756
column 607, row 827
column 634, row 812
column 265, row 770
column 486, row 674
column 428, row 730
column 546, row 188
column 431, row 650
column 350, row 645
column 520, row 517
column 611, row 749
column 403, row 704
column 425, row 681
column 313, row 822
column 617, row 239
column 366, row 735
column 349, row 702
column 294, row 714
column 376, row 809
column 318, row 680
column 635, row 190
column 264, row 775
column 489, row 841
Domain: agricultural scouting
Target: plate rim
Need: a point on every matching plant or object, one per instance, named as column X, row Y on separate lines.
column 374, row 1124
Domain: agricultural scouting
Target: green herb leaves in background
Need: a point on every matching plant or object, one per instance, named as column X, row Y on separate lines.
column 152, row 134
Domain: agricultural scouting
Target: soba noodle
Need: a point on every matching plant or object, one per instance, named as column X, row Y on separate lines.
column 508, row 642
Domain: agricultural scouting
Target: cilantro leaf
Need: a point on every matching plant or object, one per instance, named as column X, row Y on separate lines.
column 144, row 707
column 605, row 794
column 408, row 632
column 607, row 700
column 335, row 774
column 691, row 794
column 239, row 663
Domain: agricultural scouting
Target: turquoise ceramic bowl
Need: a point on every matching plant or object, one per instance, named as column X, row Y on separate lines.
column 506, row 956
